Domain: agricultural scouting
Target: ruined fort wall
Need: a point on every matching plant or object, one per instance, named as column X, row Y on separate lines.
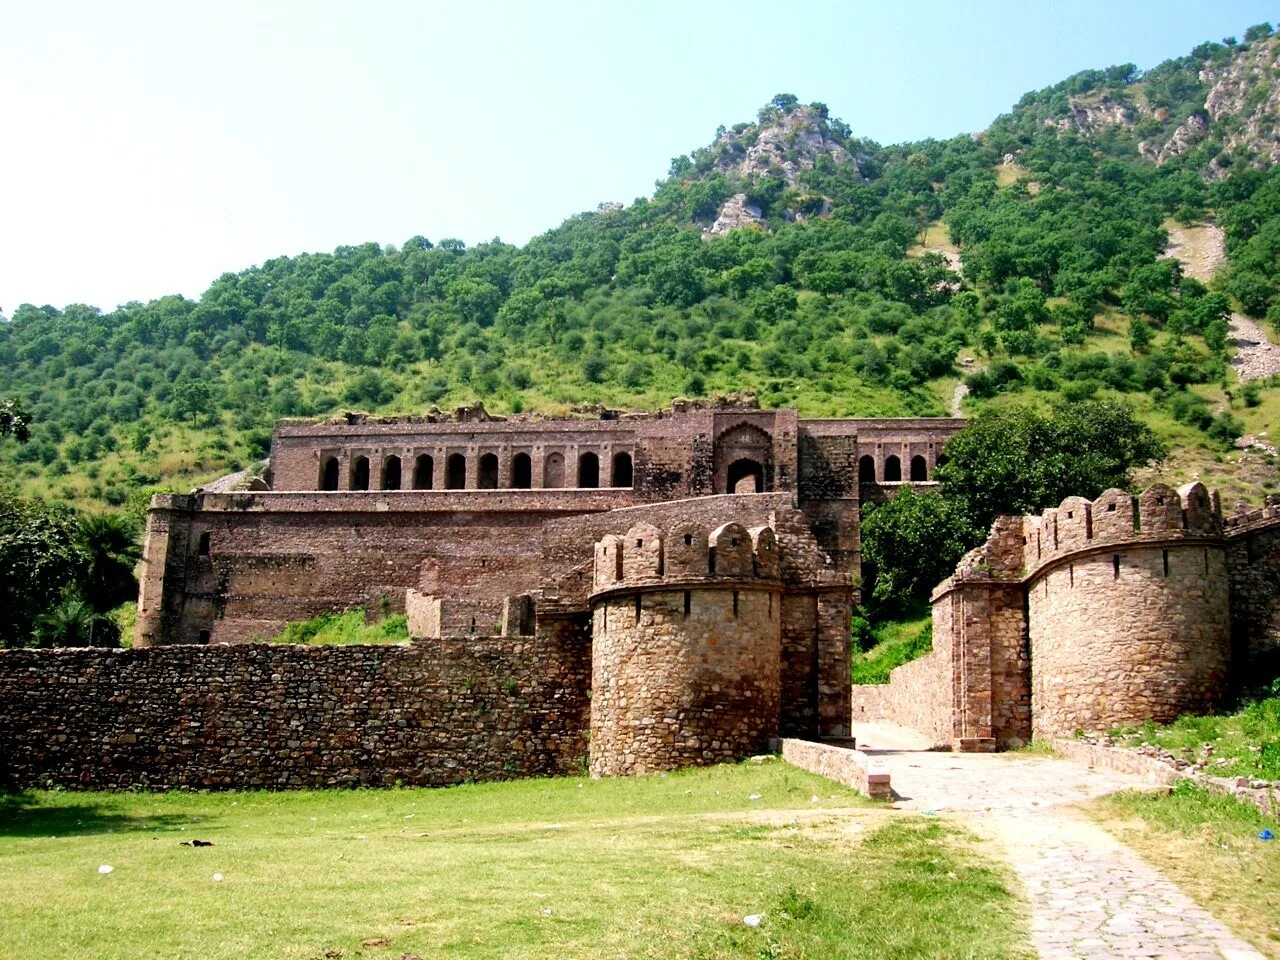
column 1253, row 567
column 238, row 566
column 432, row 713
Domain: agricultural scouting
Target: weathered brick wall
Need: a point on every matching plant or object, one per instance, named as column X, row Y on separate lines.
column 1113, row 648
column 235, row 567
column 431, row 713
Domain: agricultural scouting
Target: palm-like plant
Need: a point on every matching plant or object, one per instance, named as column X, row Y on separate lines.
column 74, row 623
column 109, row 544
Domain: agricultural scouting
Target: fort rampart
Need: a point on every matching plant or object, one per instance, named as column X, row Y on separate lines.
column 1091, row 615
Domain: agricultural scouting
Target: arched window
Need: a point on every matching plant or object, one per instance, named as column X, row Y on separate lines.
column 424, row 469
column 866, row 469
column 745, row 476
column 329, row 474
column 622, row 472
column 455, row 472
column 553, row 470
column 487, row 475
column 588, row 470
column 919, row 468
column 892, row 469
column 521, row 471
column 360, row 474
column 391, row 473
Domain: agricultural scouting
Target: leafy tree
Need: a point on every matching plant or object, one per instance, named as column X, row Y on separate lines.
column 14, row 420
column 913, row 542
column 1018, row 459
column 108, row 543
column 38, row 559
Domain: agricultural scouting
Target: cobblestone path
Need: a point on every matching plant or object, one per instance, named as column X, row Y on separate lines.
column 1091, row 897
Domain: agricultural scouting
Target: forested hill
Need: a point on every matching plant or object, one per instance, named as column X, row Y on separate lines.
column 790, row 257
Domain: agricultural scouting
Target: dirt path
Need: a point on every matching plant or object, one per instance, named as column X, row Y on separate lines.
column 1202, row 250
column 1090, row 895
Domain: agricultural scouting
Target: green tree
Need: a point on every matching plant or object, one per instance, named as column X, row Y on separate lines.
column 74, row 623
column 15, row 421
column 38, row 560
column 913, row 542
column 108, row 543
column 1016, row 460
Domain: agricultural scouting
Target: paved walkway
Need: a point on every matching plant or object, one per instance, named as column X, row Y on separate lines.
column 1091, row 897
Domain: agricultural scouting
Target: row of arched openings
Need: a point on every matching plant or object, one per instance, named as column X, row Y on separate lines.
column 919, row 469
column 455, row 472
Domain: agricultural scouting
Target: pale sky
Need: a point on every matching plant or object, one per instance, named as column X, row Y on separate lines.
column 146, row 148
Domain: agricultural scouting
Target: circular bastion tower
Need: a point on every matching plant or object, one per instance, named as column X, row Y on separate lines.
column 1128, row 610
column 686, row 647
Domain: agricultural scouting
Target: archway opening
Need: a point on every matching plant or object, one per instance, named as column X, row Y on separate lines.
column 746, row 476
column 391, row 473
column 329, row 474
column 892, row 469
column 521, row 471
column 919, row 468
column 553, row 470
column 360, row 474
column 866, row 469
column 487, row 475
column 424, row 469
column 588, row 470
column 455, row 472
column 623, row 475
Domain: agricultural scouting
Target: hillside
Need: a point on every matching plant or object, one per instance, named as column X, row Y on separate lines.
column 789, row 257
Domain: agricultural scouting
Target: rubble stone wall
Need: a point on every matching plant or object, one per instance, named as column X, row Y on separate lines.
column 272, row 716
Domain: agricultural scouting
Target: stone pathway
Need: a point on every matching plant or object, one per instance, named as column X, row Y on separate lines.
column 1091, row 897
column 1256, row 356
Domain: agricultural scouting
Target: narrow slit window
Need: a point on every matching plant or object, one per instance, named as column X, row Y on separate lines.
column 735, row 603
column 1071, row 573
column 1115, row 566
column 638, row 601
column 688, row 603
column 204, row 544
column 1165, row 558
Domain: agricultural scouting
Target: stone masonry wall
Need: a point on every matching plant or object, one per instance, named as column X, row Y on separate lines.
column 1253, row 565
column 431, row 713
column 671, row 690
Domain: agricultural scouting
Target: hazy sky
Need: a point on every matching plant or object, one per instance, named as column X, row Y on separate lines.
column 149, row 147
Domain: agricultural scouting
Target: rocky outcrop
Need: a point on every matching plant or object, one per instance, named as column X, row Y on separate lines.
column 735, row 213
column 1094, row 113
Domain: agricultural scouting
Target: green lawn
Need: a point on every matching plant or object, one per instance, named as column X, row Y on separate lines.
column 662, row 866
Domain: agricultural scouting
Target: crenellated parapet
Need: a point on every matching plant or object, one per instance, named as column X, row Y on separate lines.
column 687, row 554
column 1118, row 520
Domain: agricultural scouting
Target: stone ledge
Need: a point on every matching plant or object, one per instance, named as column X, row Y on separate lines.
column 1159, row 773
column 853, row 768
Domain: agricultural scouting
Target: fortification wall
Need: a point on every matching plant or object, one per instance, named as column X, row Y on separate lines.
column 685, row 662
column 235, row 567
column 1253, row 565
column 430, row 713
column 1128, row 609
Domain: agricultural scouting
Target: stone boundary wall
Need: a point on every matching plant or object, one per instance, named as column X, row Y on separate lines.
column 254, row 716
column 1157, row 773
column 853, row 768
column 918, row 695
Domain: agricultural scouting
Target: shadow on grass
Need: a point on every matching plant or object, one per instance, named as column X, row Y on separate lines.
column 25, row 814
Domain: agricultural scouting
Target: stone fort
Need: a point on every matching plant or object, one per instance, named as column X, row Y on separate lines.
column 623, row 593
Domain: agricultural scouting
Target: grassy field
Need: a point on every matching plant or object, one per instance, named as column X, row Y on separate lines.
column 1208, row 845
column 663, row 866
